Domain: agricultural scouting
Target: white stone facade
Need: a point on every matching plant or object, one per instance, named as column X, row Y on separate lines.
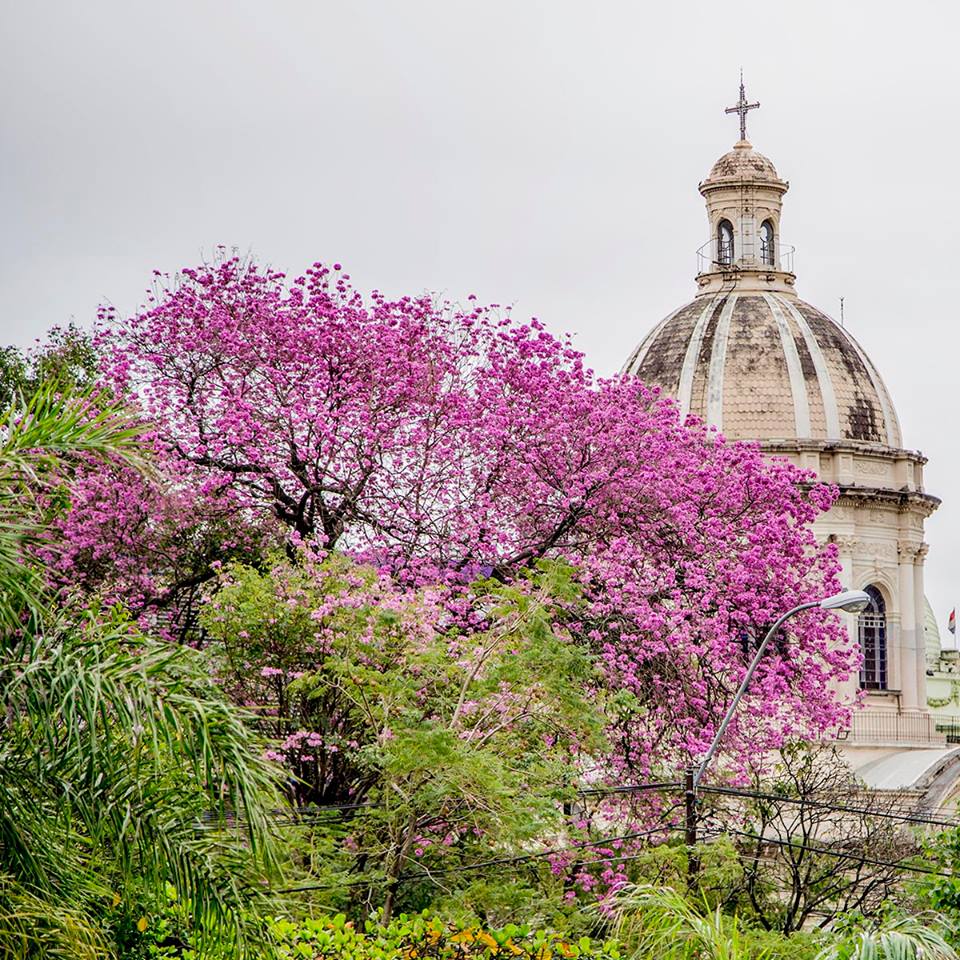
column 750, row 358
column 877, row 527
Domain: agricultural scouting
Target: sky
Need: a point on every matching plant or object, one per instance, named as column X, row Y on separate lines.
column 542, row 154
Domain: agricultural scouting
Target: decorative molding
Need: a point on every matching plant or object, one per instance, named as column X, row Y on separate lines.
column 876, row 550
column 874, row 469
column 909, row 551
column 844, row 544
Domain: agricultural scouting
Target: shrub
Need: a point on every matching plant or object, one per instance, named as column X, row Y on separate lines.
column 422, row 937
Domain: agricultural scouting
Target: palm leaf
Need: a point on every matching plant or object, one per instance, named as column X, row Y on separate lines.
column 41, row 441
column 120, row 760
column 660, row 922
column 148, row 760
column 906, row 938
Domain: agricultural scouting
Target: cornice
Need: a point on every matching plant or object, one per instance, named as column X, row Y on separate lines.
column 842, row 446
column 902, row 499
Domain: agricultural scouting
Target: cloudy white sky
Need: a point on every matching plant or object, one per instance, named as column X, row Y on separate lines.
column 544, row 154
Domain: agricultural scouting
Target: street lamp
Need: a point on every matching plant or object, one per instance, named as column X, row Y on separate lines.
column 852, row 601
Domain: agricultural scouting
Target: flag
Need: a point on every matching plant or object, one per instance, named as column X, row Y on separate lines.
column 952, row 622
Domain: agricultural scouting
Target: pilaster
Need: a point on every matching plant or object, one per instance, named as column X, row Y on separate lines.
column 907, row 641
column 919, row 616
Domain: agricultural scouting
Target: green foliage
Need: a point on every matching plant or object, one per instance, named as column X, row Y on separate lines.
column 122, row 768
column 122, row 765
column 659, row 922
column 775, row 945
column 719, row 877
column 902, row 938
column 942, row 892
column 457, row 750
column 428, row 938
column 68, row 358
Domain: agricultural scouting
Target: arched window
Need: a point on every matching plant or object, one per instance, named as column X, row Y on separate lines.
column 767, row 252
column 725, row 243
column 872, row 630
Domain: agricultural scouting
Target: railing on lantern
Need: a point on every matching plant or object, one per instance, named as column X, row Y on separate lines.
column 716, row 256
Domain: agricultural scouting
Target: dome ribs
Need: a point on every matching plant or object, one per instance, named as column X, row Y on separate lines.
column 661, row 363
column 699, row 374
column 767, row 366
column 797, row 380
column 706, row 344
column 759, row 396
column 818, row 419
column 858, row 402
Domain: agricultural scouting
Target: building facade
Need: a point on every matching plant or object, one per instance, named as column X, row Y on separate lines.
column 752, row 359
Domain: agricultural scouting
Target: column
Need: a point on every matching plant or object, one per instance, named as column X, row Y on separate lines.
column 845, row 547
column 909, row 680
column 921, row 616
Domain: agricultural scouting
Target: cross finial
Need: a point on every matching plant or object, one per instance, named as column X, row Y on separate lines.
column 742, row 107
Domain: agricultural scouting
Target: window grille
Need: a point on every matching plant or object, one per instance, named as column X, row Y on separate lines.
column 767, row 251
column 725, row 243
column 872, row 631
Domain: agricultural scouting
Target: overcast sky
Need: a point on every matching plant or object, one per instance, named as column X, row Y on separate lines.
column 544, row 154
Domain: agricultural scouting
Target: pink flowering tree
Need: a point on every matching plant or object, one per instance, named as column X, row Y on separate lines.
column 149, row 540
column 441, row 442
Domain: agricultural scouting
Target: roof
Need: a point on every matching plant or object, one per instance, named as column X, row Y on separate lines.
column 743, row 162
column 767, row 366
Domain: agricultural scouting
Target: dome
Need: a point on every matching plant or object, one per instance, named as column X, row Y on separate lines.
column 743, row 163
column 767, row 366
column 931, row 634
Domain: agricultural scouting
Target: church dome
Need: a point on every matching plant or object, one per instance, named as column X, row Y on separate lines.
column 743, row 163
column 766, row 366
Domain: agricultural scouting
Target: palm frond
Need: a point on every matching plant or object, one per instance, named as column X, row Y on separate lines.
column 906, row 938
column 34, row 928
column 126, row 743
column 42, row 439
column 53, row 425
column 660, row 922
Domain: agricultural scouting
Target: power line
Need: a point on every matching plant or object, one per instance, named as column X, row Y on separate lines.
column 501, row 861
column 821, row 805
column 318, row 815
column 665, row 828
column 632, row 788
column 315, row 814
column 860, row 858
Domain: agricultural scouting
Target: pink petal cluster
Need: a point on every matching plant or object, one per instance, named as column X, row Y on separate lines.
column 442, row 442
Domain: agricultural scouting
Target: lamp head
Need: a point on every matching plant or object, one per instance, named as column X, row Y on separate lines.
column 853, row 601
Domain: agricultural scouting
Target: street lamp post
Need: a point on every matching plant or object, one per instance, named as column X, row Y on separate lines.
column 852, row 601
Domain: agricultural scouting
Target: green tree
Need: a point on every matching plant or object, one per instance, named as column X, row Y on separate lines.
column 814, row 843
column 68, row 357
column 447, row 749
column 122, row 766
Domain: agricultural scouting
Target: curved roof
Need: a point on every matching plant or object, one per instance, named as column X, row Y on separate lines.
column 743, row 163
column 767, row 366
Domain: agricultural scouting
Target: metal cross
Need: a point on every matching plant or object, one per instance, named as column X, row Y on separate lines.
column 742, row 107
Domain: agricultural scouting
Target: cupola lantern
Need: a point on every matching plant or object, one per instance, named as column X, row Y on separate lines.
column 744, row 197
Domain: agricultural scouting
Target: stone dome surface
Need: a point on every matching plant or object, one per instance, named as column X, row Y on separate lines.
column 743, row 163
column 767, row 366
